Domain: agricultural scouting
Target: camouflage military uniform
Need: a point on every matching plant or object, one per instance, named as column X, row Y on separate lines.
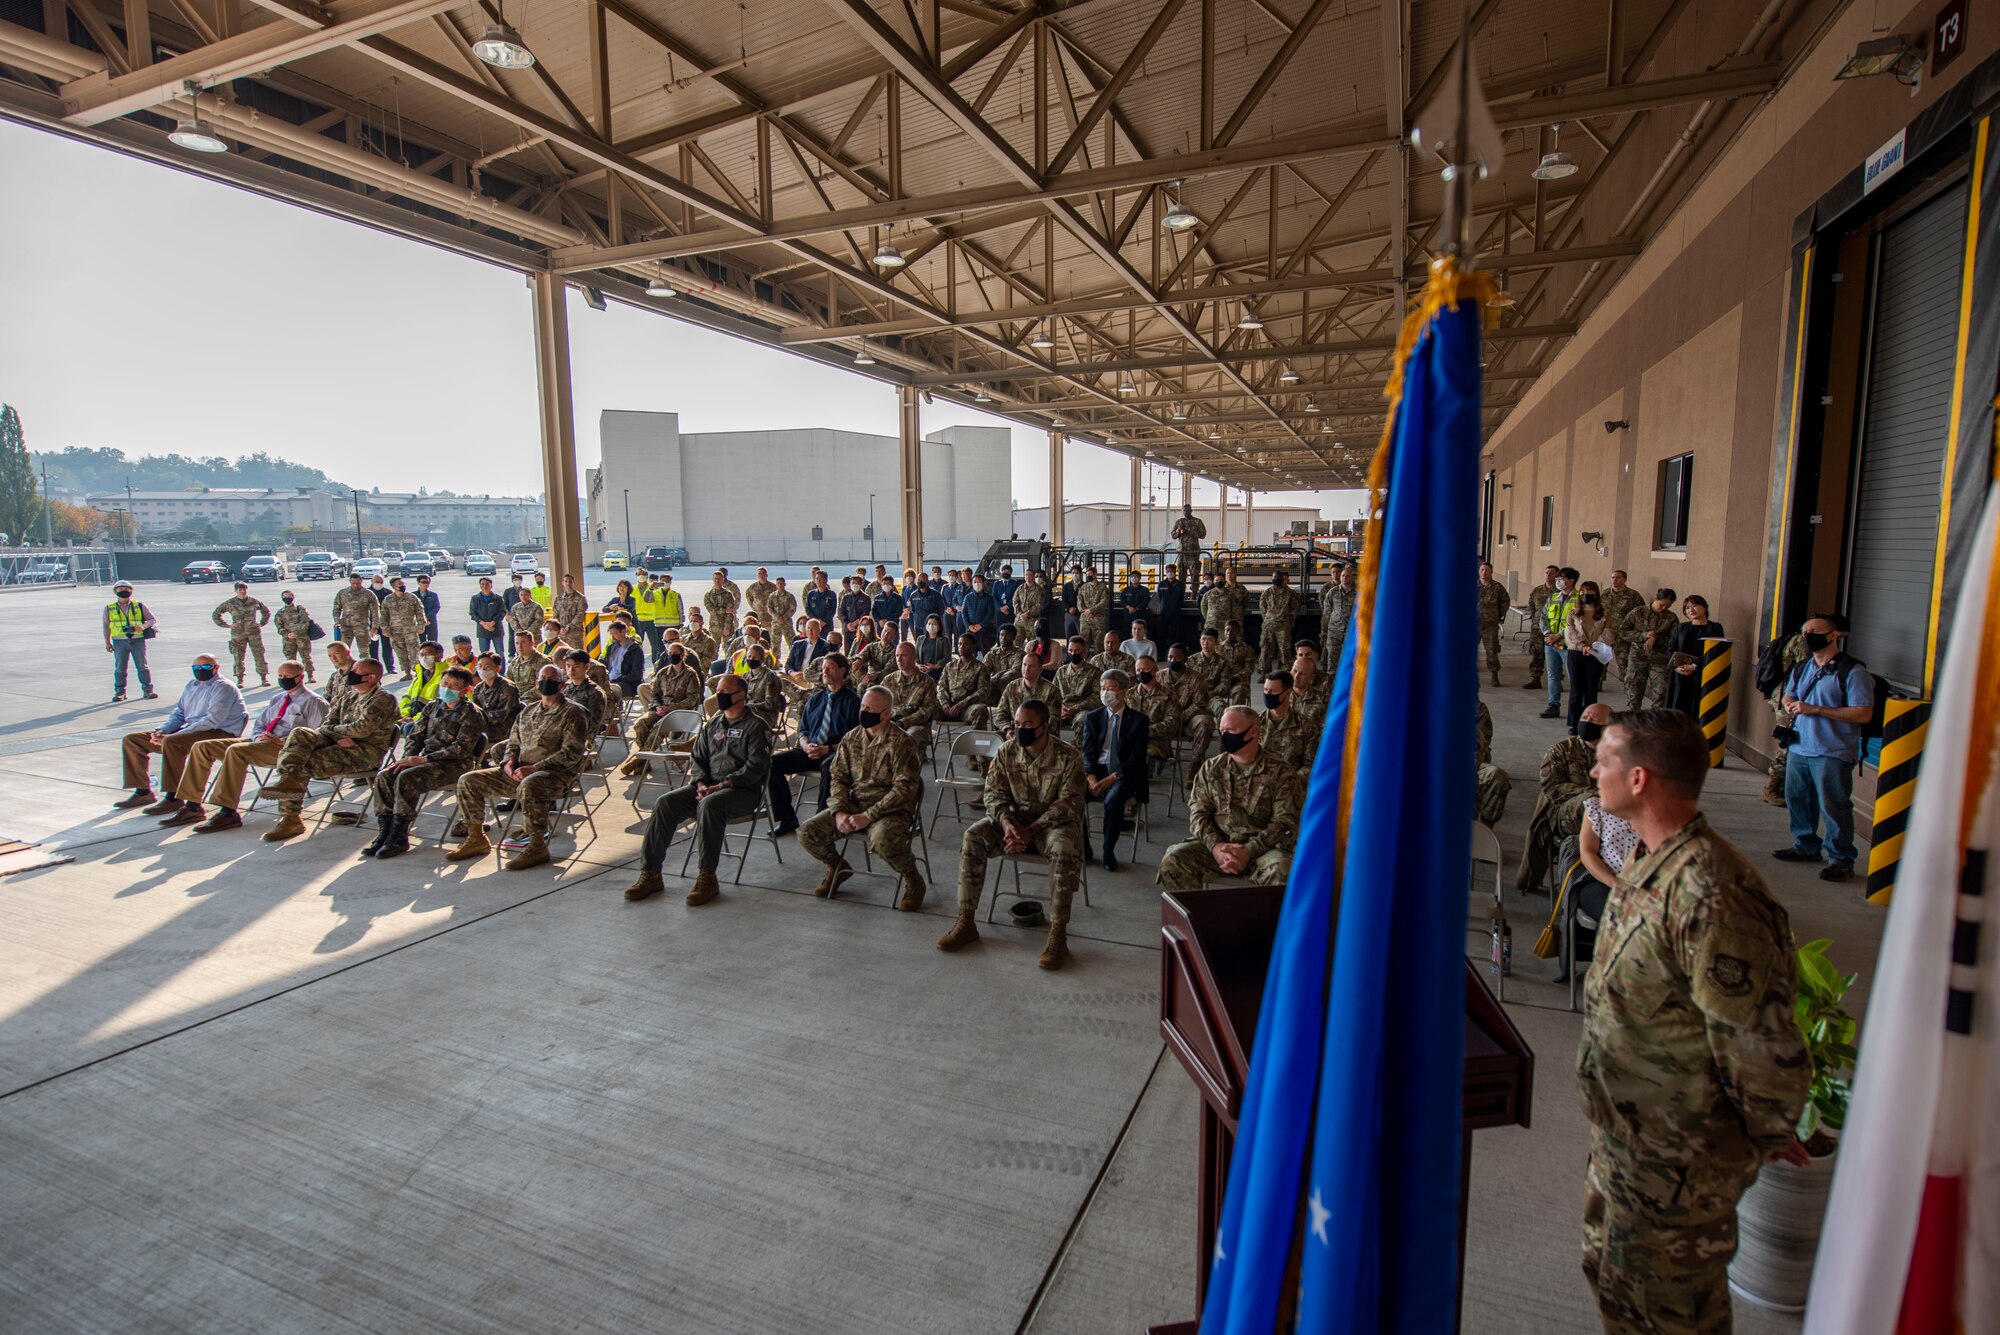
column 757, row 593
column 720, row 605
column 1190, row 693
column 1112, row 660
column 780, row 606
column 1188, row 532
column 1336, row 609
column 879, row 776
column 523, row 668
column 553, row 739
column 700, row 646
column 526, row 618
column 404, row 617
column 1093, row 610
column 1233, row 681
column 916, row 704
column 1493, row 607
column 569, row 609
column 1256, row 805
column 1538, row 617
column 246, row 615
column 294, row 626
column 1793, row 654
column 499, row 701
column 1076, row 683
column 768, row 692
column 1491, row 783
column 874, row 663
column 674, row 686
column 1566, row 784
column 1043, row 792
column 1163, row 716
column 1645, row 670
column 600, row 677
column 369, row 721
column 1619, row 604
column 585, row 696
column 1003, row 664
column 1029, row 600
column 358, row 615
column 447, row 738
column 1280, row 609
column 962, row 687
column 1000, row 717
column 1283, row 738
column 1209, row 603
column 1690, row 1069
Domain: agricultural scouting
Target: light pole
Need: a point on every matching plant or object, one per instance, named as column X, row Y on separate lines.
column 871, row 528
column 628, row 525
column 355, row 492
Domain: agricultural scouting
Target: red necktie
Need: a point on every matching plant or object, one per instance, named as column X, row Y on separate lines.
column 284, row 703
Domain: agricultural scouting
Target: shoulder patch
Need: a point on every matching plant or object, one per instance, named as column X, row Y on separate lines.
column 1730, row 975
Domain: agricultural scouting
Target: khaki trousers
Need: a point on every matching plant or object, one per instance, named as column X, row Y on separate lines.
column 173, row 751
column 231, row 760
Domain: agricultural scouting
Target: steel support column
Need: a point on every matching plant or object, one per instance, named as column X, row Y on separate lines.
column 1056, row 487
column 1138, row 529
column 1249, row 516
column 565, row 527
column 1222, row 512
column 910, row 430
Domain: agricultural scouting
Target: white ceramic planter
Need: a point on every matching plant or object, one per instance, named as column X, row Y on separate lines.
column 1777, row 1233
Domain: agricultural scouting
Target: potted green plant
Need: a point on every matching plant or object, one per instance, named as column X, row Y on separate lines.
column 1778, row 1220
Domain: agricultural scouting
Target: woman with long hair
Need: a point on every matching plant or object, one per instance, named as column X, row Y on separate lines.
column 1684, row 654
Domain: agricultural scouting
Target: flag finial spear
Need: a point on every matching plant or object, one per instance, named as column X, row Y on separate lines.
column 1457, row 128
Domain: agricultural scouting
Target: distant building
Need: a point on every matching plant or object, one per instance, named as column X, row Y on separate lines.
column 789, row 496
column 1109, row 523
column 239, row 511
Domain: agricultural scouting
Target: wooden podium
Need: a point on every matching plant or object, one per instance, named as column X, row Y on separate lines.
column 1216, row 952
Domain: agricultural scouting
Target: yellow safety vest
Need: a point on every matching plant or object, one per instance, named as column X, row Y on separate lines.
column 543, row 594
column 422, row 690
column 650, row 606
column 670, row 607
column 127, row 623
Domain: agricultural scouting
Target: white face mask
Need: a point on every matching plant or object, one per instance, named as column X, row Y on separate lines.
column 428, row 660
column 1110, row 699
column 487, row 674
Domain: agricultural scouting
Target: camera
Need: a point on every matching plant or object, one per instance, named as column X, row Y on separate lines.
column 1786, row 736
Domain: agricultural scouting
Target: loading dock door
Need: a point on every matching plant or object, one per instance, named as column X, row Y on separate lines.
column 1899, row 463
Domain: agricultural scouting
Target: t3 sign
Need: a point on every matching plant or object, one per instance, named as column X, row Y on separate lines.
column 1948, row 38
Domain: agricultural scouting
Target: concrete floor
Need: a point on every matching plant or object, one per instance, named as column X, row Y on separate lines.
column 250, row 1087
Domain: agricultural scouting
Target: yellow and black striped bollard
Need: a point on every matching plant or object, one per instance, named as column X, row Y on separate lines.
column 1905, row 724
column 592, row 636
column 1714, row 711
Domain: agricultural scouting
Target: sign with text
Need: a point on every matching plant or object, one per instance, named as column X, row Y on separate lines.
column 1948, row 36
column 1883, row 163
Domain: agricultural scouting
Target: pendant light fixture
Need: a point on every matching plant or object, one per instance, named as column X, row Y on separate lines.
column 658, row 286
column 1555, row 164
column 861, row 357
column 1288, row 376
column 1179, row 217
column 1250, row 320
column 501, row 47
column 981, row 396
column 192, row 132
column 1042, row 338
column 886, row 254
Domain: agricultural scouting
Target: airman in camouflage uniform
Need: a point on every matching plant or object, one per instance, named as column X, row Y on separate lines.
column 1566, row 785
column 1648, row 630
column 875, row 661
column 700, row 646
column 498, row 699
column 1620, row 601
column 443, row 742
column 1111, row 658
column 1237, row 659
column 720, row 602
column 1243, row 815
column 1190, row 693
column 1232, row 601
column 1691, row 1068
column 1188, row 532
column 782, row 605
column 758, row 593
column 1336, row 610
column 403, row 620
column 1076, row 684
column 569, row 608
column 674, row 687
column 294, row 626
column 1003, row 662
column 769, row 691
column 1024, row 687
column 246, row 615
column 1029, row 600
column 1793, row 654
column 1280, row 609
column 1284, row 735
column 963, row 685
column 339, row 658
column 538, row 766
column 1093, row 608
column 526, row 664
column 876, row 784
column 1538, row 617
column 1034, row 799
column 914, row 695
column 1491, row 784
column 360, row 726
column 1151, row 697
column 525, row 618
column 1494, row 604
column 357, row 614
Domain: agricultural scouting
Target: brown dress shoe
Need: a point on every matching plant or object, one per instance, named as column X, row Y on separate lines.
column 145, row 797
column 649, row 884
column 704, row 889
column 835, row 876
column 475, row 846
column 289, row 826
column 187, row 815
column 164, row 805
column 221, row 820
column 533, row 854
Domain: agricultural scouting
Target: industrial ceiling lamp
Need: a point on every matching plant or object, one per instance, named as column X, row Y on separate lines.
column 1180, row 413
column 192, row 132
column 861, row 357
column 1501, row 299
column 1213, row 434
column 1555, row 164
column 886, row 254
column 1900, row 54
column 1326, row 428
column 1312, row 405
column 1127, row 387
column 501, row 47
column 981, row 396
column 1250, row 320
column 1288, row 376
column 1043, row 338
column 660, row 287
column 1179, row 217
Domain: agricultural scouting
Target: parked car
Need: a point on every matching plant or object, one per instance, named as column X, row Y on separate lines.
column 415, row 564
column 392, row 561
column 43, row 572
column 662, row 558
column 479, row 563
column 319, row 565
column 440, row 558
column 368, row 567
column 204, row 572
column 524, row 562
column 612, row 561
column 261, row 568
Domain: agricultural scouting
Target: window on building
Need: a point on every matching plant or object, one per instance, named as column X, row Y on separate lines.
column 1670, row 513
column 1548, row 521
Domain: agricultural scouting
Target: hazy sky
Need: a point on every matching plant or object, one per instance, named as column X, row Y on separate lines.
column 156, row 312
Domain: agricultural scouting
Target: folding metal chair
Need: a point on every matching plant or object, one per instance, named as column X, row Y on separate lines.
column 341, row 796
column 993, row 903
column 920, row 847
column 959, row 778
column 679, row 726
column 571, row 809
column 749, row 836
column 1486, row 848
column 1137, row 824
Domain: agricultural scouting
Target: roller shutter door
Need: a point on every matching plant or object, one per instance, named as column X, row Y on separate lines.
column 1913, row 343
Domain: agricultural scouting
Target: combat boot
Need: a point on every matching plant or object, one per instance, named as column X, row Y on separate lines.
column 835, row 877
column 1056, row 949
column 289, row 826
column 283, row 787
column 382, row 820
column 398, row 841
column 914, row 890
column 475, row 845
column 964, row 931
column 1496, row 676
column 632, row 767
column 650, row 883
column 533, row 854
column 704, row 888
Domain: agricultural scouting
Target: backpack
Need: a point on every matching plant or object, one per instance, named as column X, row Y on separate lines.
column 1771, row 665
column 1878, row 711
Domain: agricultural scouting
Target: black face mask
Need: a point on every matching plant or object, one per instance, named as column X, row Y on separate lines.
column 1589, row 600
column 1272, row 699
column 756, row 662
column 675, row 658
column 1232, row 742
column 725, row 700
column 203, row 671
column 1075, row 657
column 1145, row 676
column 355, row 678
column 1589, row 731
column 1027, row 736
column 288, row 683
column 288, row 600
column 1816, row 641
column 549, row 686
column 1176, row 664
column 870, row 717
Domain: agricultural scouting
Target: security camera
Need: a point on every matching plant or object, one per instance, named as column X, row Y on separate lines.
column 1613, row 428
